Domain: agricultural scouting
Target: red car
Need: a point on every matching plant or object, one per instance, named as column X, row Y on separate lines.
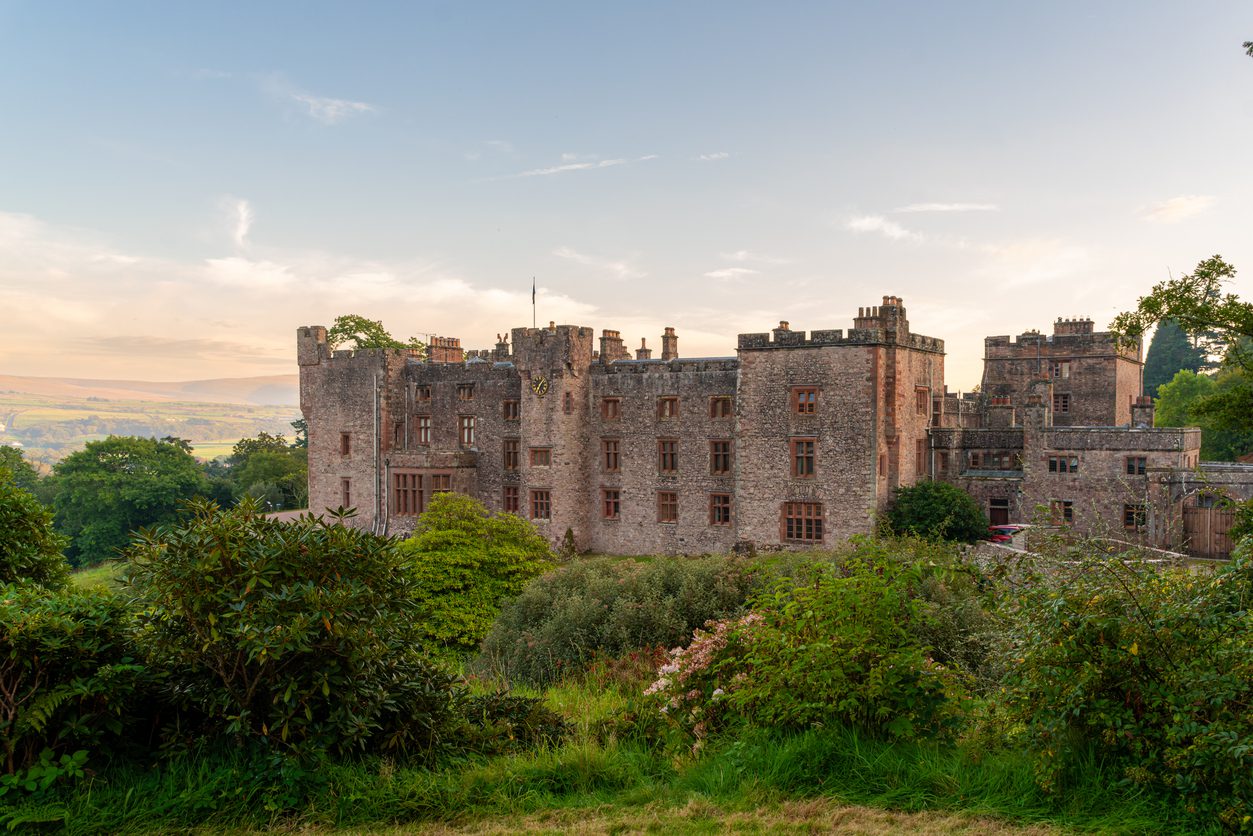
column 1004, row 533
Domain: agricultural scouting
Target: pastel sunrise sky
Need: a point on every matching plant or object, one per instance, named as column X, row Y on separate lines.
column 182, row 185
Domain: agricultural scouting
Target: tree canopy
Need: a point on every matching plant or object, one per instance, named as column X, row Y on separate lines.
column 21, row 472
column 1170, row 351
column 937, row 510
column 365, row 333
column 30, row 550
column 110, row 488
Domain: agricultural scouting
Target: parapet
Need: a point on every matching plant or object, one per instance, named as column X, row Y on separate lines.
column 835, row 337
column 1066, row 327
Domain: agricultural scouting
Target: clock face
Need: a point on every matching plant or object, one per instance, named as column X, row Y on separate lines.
column 539, row 385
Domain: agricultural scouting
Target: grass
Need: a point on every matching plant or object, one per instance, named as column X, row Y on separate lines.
column 100, row 575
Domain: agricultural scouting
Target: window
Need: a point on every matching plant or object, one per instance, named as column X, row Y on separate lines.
column 720, row 509
column 920, row 457
column 398, row 434
column 510, row 411
column 1063, row 464
column 667, row 455
column 465, row 430
column 345, row 493
column 721, row 406
column 610, row 503
column 465, row 391
column 1137, row 465
column 922, row 400
column 541, row 456
column 510, row 499
column 998, row 511
column 720, row 457
column 424, row 428
column 802, row 522
column 609, row 455
column 541, row 505
column 406, row 493
column 1061, row 369
column 567, row 403
column 804, row 400
column 1062, row 511
column 1133, row 516
column 345, row 443
column 422, row 393
column 667, row 407
column 941, row 462
column 994, row 460
column 803, row 457
column 441, row 483
column 610, row 408
column 513, row 458
column 1061, row 402
column 667, row 507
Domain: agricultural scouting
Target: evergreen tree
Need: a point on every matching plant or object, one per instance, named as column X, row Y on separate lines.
column 1169, row 352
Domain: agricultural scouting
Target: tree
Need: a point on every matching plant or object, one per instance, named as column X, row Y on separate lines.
column 110, row 488
column 300, row 634
column 365, row 333
column 467, row 561
column 301, row 426
column 30, row 549
column 20, row 471
column 270, row 470
column 1221, row 324
column 1248, row 48
column 1185, row 400
column 1169, row 352
column 937, row 510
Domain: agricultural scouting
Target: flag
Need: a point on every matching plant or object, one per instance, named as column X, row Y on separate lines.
column 532, row 290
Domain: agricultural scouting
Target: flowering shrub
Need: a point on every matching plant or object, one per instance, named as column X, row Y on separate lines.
column 839, row 648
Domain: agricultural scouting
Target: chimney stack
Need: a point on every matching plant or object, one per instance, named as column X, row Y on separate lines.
column 669, row 345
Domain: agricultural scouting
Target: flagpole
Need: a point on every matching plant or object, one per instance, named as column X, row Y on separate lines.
column 533, row 302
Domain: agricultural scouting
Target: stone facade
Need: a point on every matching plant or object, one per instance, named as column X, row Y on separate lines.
column 798, row 440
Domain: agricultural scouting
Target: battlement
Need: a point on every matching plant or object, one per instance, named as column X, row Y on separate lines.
column 1067, row 327
column 676, row 366
column 781, row 339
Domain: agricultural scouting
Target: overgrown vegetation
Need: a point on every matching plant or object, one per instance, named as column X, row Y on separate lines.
column 937, row 510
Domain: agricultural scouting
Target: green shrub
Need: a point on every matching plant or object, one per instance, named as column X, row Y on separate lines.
column 66, row 679
column 30, row 550
column 465, row 561
column 937, row 510
column 840, row 648
column 302, row 633
column 601, row 608
column 1153, row 669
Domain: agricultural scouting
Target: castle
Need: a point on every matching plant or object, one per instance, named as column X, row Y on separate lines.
column 798, row 440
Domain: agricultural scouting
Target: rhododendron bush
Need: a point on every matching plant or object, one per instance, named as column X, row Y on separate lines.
column 841, row 648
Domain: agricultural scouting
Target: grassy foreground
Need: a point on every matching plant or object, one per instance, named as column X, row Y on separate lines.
column 605, row 780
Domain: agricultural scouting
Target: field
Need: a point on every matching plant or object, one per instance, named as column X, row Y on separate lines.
column 49, row 427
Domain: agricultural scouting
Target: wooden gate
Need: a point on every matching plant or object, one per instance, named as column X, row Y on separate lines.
column 1205, row 531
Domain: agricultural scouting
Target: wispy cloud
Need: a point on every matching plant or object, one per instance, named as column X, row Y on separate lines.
column 239, row 218
column 750, row 256
column 574, row 162
column 1177, row 208
column 882, row 226
column 716, row 155
column 498, row 146
column 731, row 273
column 949, row 207
column 324, row 109
column 620, row 269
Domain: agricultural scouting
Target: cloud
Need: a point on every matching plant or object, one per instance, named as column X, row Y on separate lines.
column 574, row 162
column 138, row 345
column 882, row 226
column 500, row 146
column 949, row 207
column 239, row 218
column 716, row 155
column 1177, row 208
column 750, row 256
column 1022, row 263
column 324, row 109
column 621, row 269
column 730, row 273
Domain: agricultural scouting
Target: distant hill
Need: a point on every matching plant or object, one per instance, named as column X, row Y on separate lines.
column 269, row 390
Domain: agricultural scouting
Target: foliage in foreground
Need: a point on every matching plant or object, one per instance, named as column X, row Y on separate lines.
column 937, row 510
column 1152, row 670
column 602, row 608
column 465, row 562
column 300, row 634
column 30, row 550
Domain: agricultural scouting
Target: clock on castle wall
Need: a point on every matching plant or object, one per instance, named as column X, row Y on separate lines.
column 539, row 385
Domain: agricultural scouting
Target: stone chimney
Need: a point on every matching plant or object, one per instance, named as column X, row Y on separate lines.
column 502, row 347
column 1142, row 410
column 669, row 345
column 643, row 352
column 446, row 350
column 611, row 347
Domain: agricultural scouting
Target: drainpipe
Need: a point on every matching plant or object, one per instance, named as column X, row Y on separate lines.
column 377, row 492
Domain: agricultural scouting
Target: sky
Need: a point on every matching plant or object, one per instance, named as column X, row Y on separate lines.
column 183, row 185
